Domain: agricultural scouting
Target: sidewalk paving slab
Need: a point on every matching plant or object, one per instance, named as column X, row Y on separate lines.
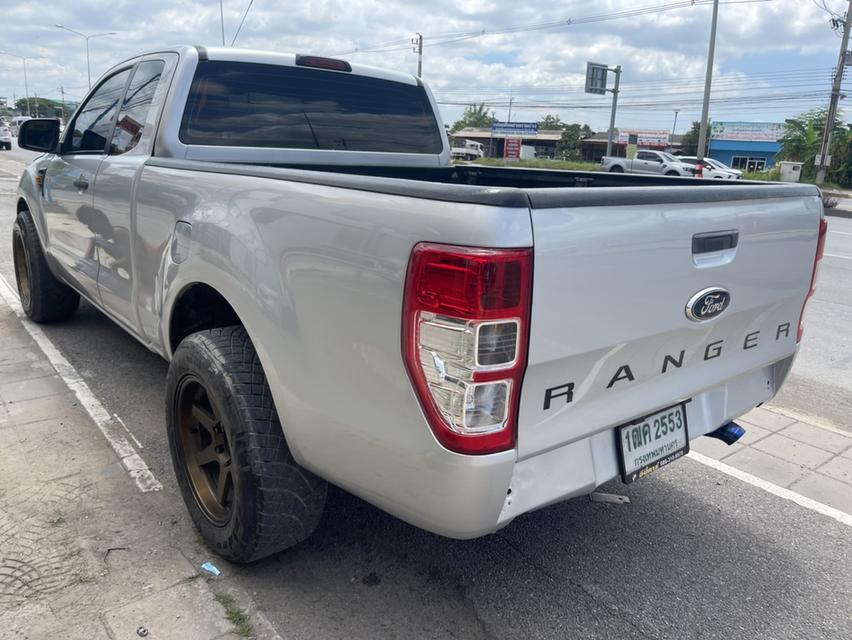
column 84, row 555
column 826, row 490
column 786, row 448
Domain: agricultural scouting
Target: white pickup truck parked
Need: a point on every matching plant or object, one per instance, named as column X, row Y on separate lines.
column 654, row 162
column 337, row 302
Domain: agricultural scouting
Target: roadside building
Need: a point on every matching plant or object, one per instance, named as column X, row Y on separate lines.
column 748, row 146
column 544, row 142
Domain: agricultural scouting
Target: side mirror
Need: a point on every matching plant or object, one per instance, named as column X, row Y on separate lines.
column 40, row 134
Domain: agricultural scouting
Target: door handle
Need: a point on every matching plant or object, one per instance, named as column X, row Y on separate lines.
column 81, row 183
column 714, row 241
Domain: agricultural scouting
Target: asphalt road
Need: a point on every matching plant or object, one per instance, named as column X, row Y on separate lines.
column 695, row 554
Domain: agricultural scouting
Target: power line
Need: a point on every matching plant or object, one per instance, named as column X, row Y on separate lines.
column 441, row 39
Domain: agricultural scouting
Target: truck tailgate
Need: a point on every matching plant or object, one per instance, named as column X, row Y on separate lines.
column 610, row 340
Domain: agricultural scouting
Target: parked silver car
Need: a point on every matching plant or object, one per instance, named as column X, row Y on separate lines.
column 5, row 136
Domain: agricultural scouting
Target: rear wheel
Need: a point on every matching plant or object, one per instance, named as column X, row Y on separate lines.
column 43, row 297
column 244, row 491
column 616, row 169
column 672, row 173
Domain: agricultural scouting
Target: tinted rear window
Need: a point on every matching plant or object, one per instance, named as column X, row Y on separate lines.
column 238, row 104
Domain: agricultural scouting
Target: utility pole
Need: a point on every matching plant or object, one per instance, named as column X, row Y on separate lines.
column 674, row 126
column 222, row 20
column 36, row 103
column 708, row 79
column 825, row 147
column 511, row 100
column 614, row 105
column 418, row 49
column 62, row 93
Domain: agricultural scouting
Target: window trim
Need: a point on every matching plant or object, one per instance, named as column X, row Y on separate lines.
column 69, row 130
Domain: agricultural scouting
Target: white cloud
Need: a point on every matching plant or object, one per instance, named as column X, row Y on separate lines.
column 753, row 37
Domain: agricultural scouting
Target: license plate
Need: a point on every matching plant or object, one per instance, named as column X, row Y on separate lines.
column 652, row 442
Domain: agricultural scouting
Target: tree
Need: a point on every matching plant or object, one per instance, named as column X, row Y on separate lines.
column 803, row 137
column 476, row 115
column 841, row 157
column 550, row 123
column 569, row 146
column 689, row 142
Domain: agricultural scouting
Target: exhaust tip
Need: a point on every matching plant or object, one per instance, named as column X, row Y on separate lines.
column 728, row 433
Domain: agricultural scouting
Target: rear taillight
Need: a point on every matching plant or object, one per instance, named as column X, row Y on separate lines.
column 820, row 250
column 465, row 327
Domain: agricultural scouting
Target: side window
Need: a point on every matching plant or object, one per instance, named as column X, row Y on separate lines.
column 137, row 103
column 93, row 124
column 644, row 156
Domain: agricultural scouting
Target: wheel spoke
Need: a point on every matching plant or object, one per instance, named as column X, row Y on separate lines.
column 207, row 455
column 205, row 418
column 224, row 483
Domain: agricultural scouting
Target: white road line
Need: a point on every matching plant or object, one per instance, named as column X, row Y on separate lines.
column 834, row 255
column 110, row 428
column 129, row 432
column 843, row 233
column 803, row 501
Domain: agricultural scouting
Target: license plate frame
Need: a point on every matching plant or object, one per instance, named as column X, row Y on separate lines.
column 664, row 459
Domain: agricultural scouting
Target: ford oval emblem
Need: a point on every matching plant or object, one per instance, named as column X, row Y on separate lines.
column 707, row 304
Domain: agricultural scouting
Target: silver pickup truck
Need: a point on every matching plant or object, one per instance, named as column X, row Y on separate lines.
column 654, row 162
column 456, row 345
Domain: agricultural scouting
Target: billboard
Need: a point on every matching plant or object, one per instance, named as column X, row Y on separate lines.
column 515, row 128
column 750, row 131
column 646, row 138
column 596, row 78
column 512, row 148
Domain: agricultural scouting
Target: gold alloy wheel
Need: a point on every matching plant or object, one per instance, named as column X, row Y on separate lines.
column 22, row 273
column 205, row 450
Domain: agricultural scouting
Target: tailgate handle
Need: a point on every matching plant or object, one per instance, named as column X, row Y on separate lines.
column 714, row 241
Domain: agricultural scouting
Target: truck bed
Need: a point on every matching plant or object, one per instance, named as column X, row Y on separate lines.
column 507, row 186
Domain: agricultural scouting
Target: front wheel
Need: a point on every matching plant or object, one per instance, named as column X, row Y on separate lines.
column 244, row 491
column 43, row 297
column 672, row 173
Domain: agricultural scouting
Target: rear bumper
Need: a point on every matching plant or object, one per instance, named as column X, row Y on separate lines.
column 472, row 496
column 579, row 467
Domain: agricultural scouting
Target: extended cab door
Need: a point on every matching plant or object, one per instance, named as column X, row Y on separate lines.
column 651, row 162
column 73, row 223
column 129, row 147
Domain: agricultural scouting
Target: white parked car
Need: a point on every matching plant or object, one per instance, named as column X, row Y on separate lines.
column 714, row 169
column 5, row 136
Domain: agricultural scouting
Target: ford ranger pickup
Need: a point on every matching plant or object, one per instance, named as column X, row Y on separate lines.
column 457, row 345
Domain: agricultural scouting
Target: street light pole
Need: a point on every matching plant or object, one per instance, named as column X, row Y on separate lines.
column 87, row 38
column 674, row 126
column 612, row 115
column 708, row 79
column 26, row 82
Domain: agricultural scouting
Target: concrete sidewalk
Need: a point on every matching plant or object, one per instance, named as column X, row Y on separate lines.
column 812, row 460
column 84, row 554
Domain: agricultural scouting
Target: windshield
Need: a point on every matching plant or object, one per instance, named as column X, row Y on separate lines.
column 239, row 104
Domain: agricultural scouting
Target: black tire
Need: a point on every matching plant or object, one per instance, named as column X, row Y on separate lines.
column 43, row 297
column 672, row 173
column 272, row 502
column 616, row 169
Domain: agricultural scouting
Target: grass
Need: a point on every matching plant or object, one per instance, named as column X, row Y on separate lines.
column 235, row 615
column 541, row 163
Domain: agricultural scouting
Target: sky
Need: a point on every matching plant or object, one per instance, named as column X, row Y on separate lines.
column 774, row 58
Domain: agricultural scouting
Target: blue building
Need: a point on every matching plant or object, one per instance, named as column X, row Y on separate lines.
column 748, row 146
